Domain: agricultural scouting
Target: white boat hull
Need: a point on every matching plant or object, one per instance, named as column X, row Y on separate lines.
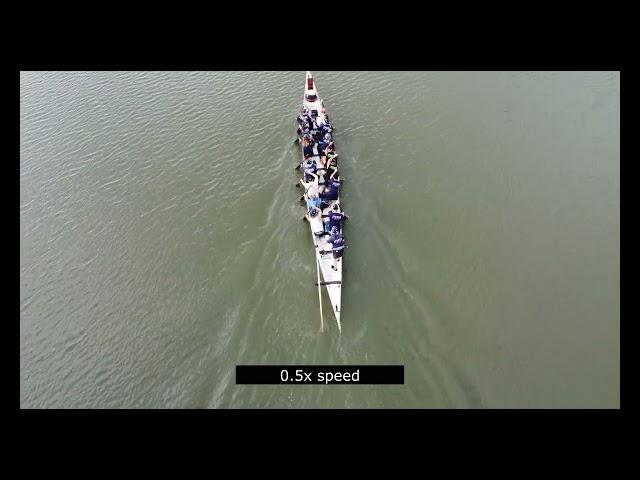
column 331, row 278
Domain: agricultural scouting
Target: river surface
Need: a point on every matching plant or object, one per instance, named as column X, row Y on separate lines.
column 161, row 241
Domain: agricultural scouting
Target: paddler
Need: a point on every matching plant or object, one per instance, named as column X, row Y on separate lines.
column 325, row 143
column 313, row 213
column 330, row 148
column 333, row 221
column 325, row 129
column 323, row 110
column 332, row 158
column 331, row 191
column 311, row 187
column 307, row 148
column 330, row 169
column 309, row 170
column 313, row 201
column 337, row 247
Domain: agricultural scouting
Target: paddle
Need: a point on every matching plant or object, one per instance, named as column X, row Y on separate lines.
column 319, row 287
column 323, row 252
column 319, row 295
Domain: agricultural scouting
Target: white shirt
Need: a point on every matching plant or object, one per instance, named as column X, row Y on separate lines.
column 312, row 187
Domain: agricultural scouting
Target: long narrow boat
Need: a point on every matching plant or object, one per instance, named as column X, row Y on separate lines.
column 332, row 279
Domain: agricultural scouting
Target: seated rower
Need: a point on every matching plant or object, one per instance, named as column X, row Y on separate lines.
column 323, row 159
column 337, row 247
column 306, row 138
column 310, row 169
column 325, row 144
column 330, row 148
column 331, row 190
column 313, row 216
column 333, row 221
column 307, row 148
column 323, row 123
column 313, row 202
column 330, row 171
column 331, row 160
column 311, row 187
column 326, row 116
